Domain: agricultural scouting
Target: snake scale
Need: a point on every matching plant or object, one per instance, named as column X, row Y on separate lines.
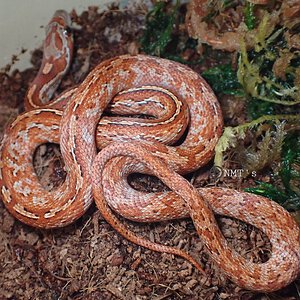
column 179, row 100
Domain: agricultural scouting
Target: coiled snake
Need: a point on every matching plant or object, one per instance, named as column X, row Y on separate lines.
column 178, row 98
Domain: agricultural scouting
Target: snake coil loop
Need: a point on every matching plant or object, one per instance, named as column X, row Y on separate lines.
column 178, row 99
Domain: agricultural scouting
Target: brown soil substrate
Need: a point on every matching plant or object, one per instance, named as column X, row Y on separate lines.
column 88, row 259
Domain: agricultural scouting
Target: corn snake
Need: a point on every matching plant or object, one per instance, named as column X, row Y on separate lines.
column 91, row 173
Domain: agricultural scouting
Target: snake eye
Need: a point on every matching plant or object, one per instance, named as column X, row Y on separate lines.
column 68, row 31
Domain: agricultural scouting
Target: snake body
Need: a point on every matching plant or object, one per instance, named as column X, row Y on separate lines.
column 179, row 100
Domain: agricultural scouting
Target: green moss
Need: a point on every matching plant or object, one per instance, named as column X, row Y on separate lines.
column 288, row 177
column 161, row 36
column 257, row 108
column 249, row 15
column 159, row 29
column 223, row 79
column 256, row 73
column 232, row 135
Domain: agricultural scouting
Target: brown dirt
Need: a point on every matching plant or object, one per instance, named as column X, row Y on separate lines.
column 88, row 259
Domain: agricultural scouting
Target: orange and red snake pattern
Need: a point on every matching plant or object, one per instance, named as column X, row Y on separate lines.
column 101, row 152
